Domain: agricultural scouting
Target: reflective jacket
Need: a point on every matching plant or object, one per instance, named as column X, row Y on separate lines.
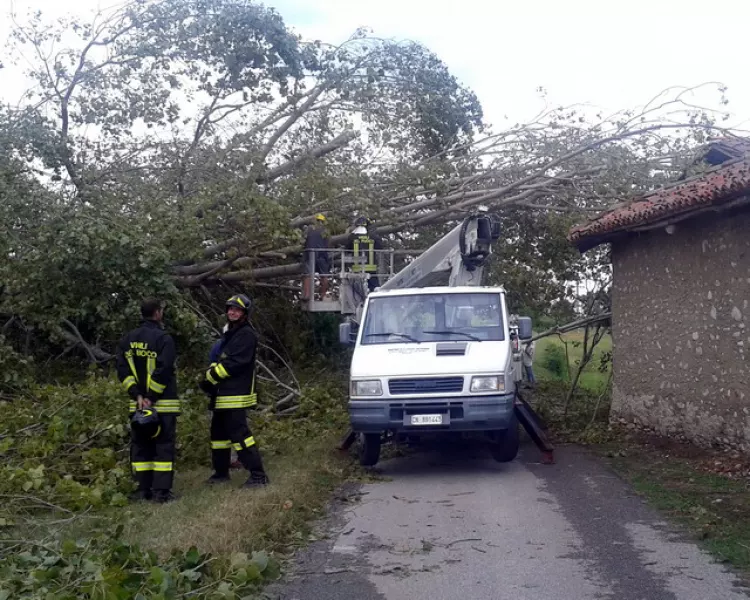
column 146, row 367
column 363, row 246
column 233, row 375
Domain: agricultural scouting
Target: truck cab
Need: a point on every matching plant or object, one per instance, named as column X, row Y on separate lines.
column 434, row 360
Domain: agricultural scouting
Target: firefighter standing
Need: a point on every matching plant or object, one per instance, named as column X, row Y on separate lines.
column 230, row 383
column 146, row 369
column 364, row 245
column 316, row 242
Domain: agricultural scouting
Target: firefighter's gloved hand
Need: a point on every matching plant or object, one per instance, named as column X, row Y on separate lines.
column 207, row 387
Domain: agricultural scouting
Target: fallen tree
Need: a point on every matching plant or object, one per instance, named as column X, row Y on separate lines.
column 170, row 149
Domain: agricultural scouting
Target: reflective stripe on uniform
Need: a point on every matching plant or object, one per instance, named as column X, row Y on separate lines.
column 156, row 387
column 150, row 368
column 221, row 444
column 221, row 371
column 129, row 382
column 236, row 401
column 370, row 262
column 162, row 467
column 244, row 444
column 168, row 406
column 210, row 376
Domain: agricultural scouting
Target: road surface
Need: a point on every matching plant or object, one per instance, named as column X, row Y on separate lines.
column 465, row 527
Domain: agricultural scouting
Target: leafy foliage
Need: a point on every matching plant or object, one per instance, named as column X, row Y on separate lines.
column 103, row 567
column 64, row 452
column 69, row 445
column 535, row 262
column 213, row 116
column 554, row 361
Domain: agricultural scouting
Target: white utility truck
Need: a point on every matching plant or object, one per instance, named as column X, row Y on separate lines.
column 437, row 359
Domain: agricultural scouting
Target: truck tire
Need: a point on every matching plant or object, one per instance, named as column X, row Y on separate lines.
column 505, row 448
column 369, row 449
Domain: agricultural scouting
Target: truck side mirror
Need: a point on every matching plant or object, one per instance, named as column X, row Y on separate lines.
column 348, row 333
column 525, row 331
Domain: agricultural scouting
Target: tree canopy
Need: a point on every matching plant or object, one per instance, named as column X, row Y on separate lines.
column 176, row 148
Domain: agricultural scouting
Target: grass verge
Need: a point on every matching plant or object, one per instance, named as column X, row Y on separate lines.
column 68, row 532
column 225, row 519
column 706, row 491
column 557, row 359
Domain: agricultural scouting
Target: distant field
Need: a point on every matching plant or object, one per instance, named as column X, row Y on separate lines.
column 592, row 378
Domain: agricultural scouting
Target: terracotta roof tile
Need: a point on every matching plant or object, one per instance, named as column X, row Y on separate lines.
column 719, row 185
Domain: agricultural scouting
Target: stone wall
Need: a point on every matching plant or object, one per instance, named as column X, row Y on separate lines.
column 681, row 330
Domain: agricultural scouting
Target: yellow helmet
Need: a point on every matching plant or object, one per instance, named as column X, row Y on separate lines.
column 320, row 217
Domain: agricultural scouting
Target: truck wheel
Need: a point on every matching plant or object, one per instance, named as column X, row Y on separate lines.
column 369, row 449
column 505, row 449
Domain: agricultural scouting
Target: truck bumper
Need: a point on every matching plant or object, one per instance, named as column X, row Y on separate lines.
column 483, row 413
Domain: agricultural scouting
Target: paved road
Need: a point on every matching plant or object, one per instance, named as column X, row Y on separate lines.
column 465, row 527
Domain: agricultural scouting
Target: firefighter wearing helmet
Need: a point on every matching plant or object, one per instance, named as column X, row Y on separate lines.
column 146, row 368
column 316, row 255
column 230, row 383
column 364, row 245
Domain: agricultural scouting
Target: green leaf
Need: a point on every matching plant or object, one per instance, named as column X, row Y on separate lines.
column 158, row 575
column 225, row 590
column 260, row 559
column 239, row 577
column 239, row 560
column 89, row 566
column 192, row 557
column 273, row 570
column 192, row 575
column 68, row 547
column 119, row 499
column 253, row 573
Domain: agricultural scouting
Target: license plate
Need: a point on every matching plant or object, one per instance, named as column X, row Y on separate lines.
column 426, row 419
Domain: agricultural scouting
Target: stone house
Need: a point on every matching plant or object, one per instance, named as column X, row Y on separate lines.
column 681, row 303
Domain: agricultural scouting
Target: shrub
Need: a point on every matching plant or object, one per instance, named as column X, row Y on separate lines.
column 554, row 361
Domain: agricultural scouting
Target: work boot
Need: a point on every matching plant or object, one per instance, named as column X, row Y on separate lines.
column 219, row 478
column 257, row 479
column 140, row 495
column 164, row 496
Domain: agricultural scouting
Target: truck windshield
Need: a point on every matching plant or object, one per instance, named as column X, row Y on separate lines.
column 412, row 318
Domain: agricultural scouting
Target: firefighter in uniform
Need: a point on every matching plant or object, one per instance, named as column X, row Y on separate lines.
column 146, row 369
column 230, row 384
column 363, row 245
column 316, row 241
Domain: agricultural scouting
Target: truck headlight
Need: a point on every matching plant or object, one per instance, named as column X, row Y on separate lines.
column 369, row 387
column 493, row 383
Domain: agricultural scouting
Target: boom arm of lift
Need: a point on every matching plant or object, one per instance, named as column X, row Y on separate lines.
column 457, row 259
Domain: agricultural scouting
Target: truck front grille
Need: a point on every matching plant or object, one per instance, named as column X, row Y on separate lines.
column 425, row 385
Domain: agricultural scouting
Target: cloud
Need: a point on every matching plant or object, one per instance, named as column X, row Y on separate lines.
column 612, row 55
column 609, row 54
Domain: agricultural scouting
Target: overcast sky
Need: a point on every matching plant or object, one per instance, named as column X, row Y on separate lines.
column 612, row 55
